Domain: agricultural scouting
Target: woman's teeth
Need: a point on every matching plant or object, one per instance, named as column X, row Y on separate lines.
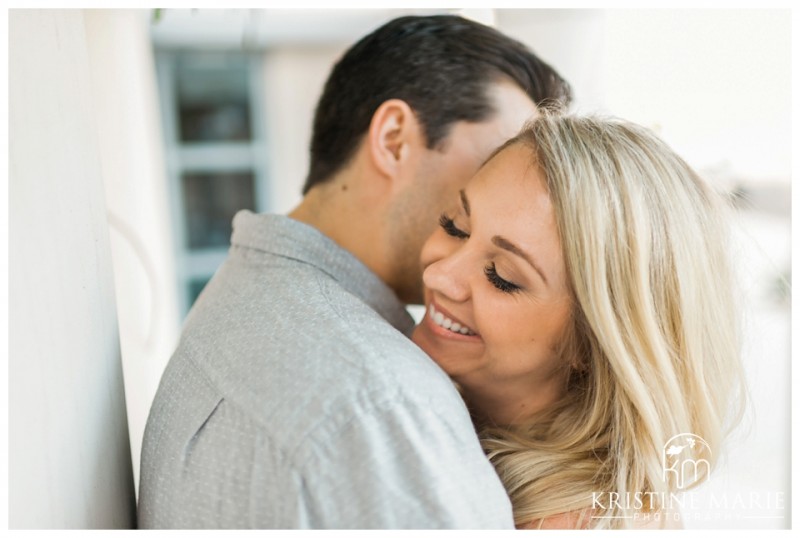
column 443, row 321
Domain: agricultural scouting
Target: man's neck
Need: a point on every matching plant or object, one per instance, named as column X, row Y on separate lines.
column 340, row 215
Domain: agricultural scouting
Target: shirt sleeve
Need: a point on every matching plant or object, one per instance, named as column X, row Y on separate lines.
column 402, row 466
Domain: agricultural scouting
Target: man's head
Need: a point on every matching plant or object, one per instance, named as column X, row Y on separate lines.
column 437, row 94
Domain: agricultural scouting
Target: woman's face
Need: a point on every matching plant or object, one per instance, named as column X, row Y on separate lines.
column 495, row 283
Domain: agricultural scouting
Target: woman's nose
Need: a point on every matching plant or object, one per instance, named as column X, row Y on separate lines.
column 446, row 277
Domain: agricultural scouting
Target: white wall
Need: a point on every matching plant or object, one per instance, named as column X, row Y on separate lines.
column 570, row 40
column 69, row 456
column 125, row 108
column 293, row 81
column 716, row 82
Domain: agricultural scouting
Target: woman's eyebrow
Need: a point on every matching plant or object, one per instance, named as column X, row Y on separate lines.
column 464, row 201
column 505, row 244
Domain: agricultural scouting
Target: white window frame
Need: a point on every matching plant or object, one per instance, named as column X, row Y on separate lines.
column 181, row 157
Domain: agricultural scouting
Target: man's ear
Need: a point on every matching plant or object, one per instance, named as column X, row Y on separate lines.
column 393, row 132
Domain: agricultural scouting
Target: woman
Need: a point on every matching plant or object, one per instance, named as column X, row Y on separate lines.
column 579, row 294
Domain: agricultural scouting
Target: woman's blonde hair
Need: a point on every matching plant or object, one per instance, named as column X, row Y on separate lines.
column 653, row 349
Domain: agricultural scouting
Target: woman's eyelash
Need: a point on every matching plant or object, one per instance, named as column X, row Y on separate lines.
column 450, row 228
column 497, row 281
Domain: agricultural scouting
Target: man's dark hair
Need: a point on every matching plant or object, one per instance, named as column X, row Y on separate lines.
column 440, row 65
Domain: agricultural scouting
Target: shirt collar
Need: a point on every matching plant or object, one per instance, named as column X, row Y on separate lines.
column 289, row 238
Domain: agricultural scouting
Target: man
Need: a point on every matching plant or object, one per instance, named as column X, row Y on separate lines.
column 295, row 399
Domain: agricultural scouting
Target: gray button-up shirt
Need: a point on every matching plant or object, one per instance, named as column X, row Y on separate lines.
column 296, row 400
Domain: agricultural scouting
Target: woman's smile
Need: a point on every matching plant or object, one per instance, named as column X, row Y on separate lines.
column 444, row 324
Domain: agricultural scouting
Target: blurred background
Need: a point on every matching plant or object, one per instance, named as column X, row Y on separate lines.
column 181, row 117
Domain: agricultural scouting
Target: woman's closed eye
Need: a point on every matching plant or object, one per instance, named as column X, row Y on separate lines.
column 450, row 228
column 499, row 282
